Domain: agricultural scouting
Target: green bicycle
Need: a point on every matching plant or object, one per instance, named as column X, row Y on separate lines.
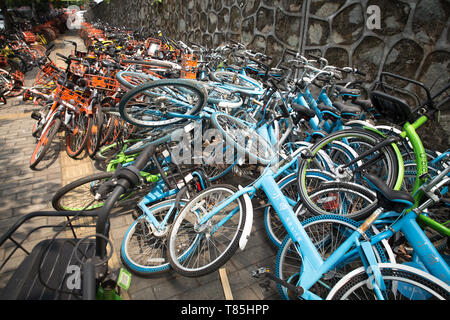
column 347, row 153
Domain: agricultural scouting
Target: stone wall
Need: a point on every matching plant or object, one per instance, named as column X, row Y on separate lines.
column 413, row 38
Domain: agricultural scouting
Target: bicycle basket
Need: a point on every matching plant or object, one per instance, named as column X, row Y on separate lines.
column 29, row 37
column 69, row 96
column 48, row 72
column 188, row 66
column 101, row 83
column 44, row 273
column 399, row 99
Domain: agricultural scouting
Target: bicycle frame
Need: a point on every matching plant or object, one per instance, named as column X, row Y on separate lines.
column 425, row 254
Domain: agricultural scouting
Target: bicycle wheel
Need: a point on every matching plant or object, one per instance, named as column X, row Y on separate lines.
column 343, row 198
column 196, row 249
column 237, row 81
column 80, row 194
column 111, row 150
column 222, row 98
column 144, row 248
column 94, row 137
column 44, row 142
column 334, row 151
column 162, row 102
column 402, row 283
column 155, row 136
column 39, row 49
column 242, row 137
column 132, row 80
column 108, row 123
column 327, row 233
column 77, row 134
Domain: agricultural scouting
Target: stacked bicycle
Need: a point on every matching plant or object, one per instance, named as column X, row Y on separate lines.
column 352, row 198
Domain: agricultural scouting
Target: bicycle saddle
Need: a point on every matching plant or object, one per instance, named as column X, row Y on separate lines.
column 234, row 67
column 344, row 90
column 302, row 111
column 328, row 111
column 391, row 108
column 365, row 104
column 388, row 198
column 347, row 110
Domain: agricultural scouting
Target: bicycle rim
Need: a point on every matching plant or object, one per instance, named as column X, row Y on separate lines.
column 196, row 250
column 162, row 102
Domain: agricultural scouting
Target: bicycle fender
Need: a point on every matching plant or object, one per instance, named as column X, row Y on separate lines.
column 359, row 123
column 248, row 221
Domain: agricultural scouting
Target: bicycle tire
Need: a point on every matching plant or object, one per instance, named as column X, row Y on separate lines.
column 77, row 137
column 239, row 82
column 156, row 136
column 181, row 251
column 275, row 230
column 111, row 150
column 167, row 99
column 399, row 279
column 222, row 98
column 78, row 194
column 107, row 128
column 245, row 139
column 131, row 80
column 150, row 256
column 44, row 142
column 7, row 81
column 318, row 152
column 342, row 198
column 94, row 137
column 155, row 62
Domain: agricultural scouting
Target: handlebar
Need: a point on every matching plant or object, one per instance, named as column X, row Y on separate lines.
column 351, row 70
column 319, row 58
column 68, row 58
column 420, row 84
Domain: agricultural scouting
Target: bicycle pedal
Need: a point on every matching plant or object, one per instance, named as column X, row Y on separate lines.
column 260, row 271
column 298, row 291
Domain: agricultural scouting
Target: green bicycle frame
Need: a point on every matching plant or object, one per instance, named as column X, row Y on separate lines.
column 409, row 131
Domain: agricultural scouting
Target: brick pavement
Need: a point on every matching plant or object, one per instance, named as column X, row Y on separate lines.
column 24, row 190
